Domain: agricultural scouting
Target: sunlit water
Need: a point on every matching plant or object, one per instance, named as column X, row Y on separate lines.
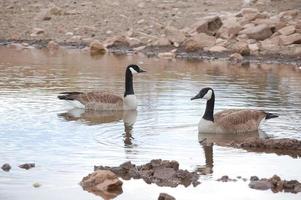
column 65, row 144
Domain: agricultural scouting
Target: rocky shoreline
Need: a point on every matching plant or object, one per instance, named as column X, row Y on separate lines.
column 249, row 35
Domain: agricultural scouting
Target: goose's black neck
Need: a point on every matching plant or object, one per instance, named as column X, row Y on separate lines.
column 128, row 83
column 208, row 115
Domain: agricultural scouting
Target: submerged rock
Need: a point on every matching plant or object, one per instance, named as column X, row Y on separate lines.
column 226, row 179
column 6, row 167
column 36, row 185
column 235, row 58
column 160, row 172
column 103, row 183
column 164, row 196
column 97, row 47
column 275, row 184
column 27, row 166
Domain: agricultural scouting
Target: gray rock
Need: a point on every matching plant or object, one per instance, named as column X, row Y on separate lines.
column 27, row 166
column 260, row 185
column 6, row 167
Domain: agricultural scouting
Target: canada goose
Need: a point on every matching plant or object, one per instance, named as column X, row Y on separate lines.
column 231, row 120
column 101, row 100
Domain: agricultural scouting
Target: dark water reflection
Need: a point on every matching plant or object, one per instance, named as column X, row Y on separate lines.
column 65, row 143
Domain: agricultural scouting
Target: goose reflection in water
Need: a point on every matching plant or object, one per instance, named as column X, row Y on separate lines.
column 207, row 141
column 92, row 117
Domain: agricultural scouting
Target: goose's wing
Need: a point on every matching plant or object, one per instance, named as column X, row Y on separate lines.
column 239, row 120
column 92, row 98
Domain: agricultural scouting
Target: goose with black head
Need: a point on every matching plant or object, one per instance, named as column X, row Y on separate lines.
column 230, row 120
column 102, row 100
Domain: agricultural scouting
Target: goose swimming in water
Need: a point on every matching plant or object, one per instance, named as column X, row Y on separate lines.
column 231, row 120
column 101, row 100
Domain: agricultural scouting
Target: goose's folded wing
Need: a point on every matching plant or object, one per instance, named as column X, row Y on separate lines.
column 99, row 98
column 239, row 118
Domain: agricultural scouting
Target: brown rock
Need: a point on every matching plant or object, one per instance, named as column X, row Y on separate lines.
column 230, row 28
column 174, row 35
column 117, row 41
column 291, row 39
column 240, row 47
column 103, row 183
column 97, row 48
column 260, row 32
column 164, row 196
column 289, row 14
column 218, row 49
column 253, row 48
column 37, row 31
column 27, row 166
column 271, row 45
column 235, row 58
column 260, row 185
column 208, row 25
column 167, row 55
column 162, row 41
column 247, row 11
column 134, row 42
column 53, row 46
column 198, row 42
column 6, row 167
column 288, row 30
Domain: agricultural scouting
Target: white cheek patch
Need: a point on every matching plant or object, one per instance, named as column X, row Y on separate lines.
column 133, row 71
column 208, row 95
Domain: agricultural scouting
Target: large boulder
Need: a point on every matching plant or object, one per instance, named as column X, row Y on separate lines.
column 209, row 25
column 260, row 32
column 103, row 183
column 198, row 42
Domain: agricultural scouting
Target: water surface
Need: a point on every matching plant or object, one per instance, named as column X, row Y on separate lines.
column 65, row 143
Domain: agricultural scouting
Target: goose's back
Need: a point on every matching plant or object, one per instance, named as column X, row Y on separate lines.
column 100, row 100
column 239, row 120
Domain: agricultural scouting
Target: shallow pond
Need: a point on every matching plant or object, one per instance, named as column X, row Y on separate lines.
column 65, row 144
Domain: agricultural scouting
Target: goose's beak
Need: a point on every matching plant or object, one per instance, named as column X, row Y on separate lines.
column 195, row 97
column 141, row 70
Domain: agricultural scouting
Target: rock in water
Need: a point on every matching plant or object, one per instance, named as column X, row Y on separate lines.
column 6, row 167
column 97, row 48
column 164, row 196
column 260, row 185
column 27, row 166
column 103, row 183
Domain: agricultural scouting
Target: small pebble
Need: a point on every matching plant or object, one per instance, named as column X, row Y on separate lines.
column 27, row 166
column 6, row 167
column 36, row 185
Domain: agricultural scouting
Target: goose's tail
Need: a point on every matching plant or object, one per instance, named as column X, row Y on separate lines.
column 68, row 95
column 270, row 116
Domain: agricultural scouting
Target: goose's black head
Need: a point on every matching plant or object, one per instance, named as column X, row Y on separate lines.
column 205, row 93
column 134, row 69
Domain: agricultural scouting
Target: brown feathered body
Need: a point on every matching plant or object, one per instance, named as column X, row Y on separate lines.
column 233, row 121
column 100, row 100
